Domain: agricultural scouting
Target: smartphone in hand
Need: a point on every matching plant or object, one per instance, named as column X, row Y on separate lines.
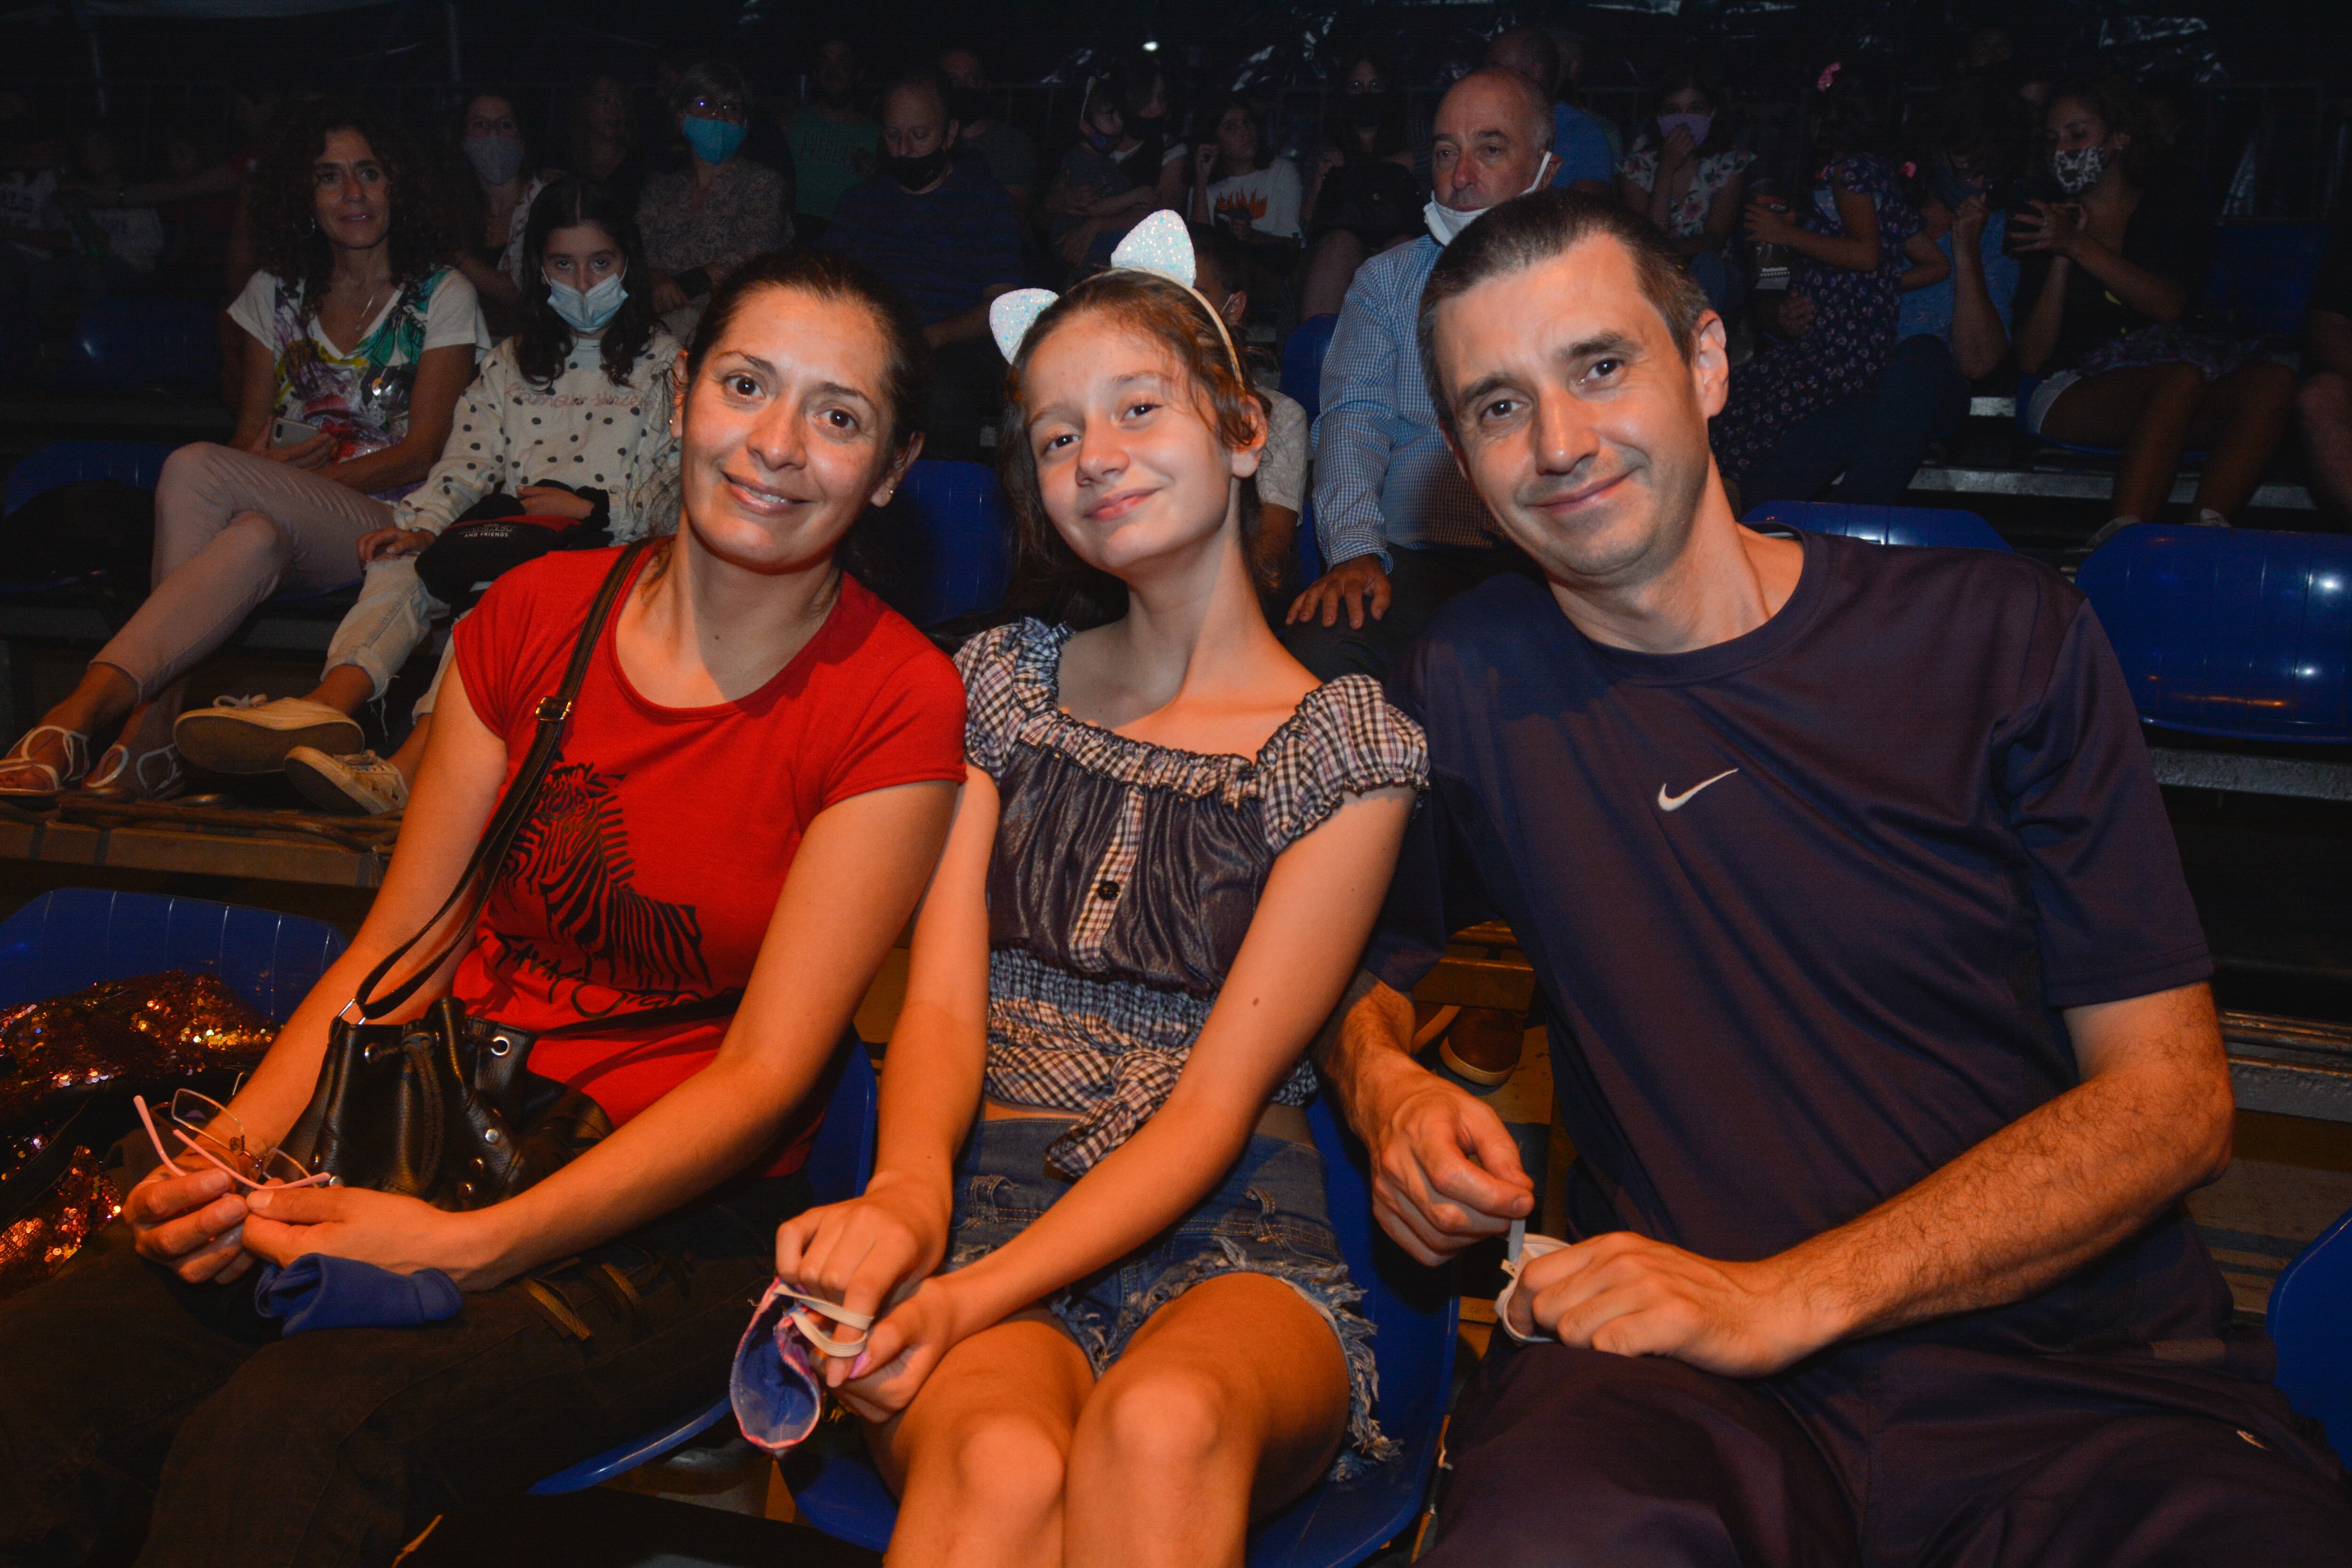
column 284, row 433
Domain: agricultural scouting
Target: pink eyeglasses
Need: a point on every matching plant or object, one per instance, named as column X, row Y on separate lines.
column 199, row 1120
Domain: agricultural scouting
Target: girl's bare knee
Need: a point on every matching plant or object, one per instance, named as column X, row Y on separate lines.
column 1010, row 1464
column 1165, row 1422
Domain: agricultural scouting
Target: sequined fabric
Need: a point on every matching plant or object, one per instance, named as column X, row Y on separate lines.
column 56, row 1225
column 152, row 1033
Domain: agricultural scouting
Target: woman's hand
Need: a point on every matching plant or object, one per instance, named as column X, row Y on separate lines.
column 905, row 1349
column 314, row 454
column 383, row 543
column 2054, row 226
column 668, row 297
column 399, row 1234
column 553, row 500
column 868, row 1254
column 190, row 1225
column 1768, row 225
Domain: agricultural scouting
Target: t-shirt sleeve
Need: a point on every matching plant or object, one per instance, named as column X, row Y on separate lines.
column 454, row 315
column 1282, row 472
column 488, row 643
column 256, row 309
column 912, row 732
column 2114, row 915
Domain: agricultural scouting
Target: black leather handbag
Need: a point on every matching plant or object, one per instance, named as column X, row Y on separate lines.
column 444, row 1107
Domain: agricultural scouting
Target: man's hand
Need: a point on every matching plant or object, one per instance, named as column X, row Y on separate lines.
column 383, row 543
column 1357, row 583
column 1445, row 1173
column 399, row 1234
column 1629, row 1295
column 190, row 1225
column 554, row 500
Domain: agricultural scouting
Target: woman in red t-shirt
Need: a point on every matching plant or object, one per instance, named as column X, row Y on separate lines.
column 755, row 782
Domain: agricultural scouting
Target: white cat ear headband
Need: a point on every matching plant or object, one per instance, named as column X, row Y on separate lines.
column 1159, row 244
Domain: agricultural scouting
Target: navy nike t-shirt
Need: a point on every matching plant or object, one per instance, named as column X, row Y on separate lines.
column 1803, row 906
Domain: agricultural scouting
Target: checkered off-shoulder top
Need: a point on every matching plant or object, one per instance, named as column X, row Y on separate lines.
column 1125, row 876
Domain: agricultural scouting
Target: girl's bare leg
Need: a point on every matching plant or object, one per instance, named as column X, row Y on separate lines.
column 2240, row 423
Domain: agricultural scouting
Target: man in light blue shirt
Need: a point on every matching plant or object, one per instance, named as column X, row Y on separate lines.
column 1400, row 529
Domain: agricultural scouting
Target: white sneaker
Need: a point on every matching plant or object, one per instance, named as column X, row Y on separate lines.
column 253, row 734
column 360, row 784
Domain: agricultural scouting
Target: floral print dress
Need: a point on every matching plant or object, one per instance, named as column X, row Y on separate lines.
column 1843, row 352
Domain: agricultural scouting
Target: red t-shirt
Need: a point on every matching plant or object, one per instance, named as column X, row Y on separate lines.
column 653, row 861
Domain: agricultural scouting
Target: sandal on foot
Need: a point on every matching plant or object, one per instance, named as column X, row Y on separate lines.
column 20, row 760
column 139, row 777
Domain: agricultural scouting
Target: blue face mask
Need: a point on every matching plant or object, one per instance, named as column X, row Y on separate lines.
column 589, row 311
column 713, row 141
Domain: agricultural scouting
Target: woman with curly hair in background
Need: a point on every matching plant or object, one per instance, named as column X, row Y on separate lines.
column 362, row 336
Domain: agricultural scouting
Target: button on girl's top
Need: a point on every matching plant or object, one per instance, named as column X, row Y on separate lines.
column 1126, row 875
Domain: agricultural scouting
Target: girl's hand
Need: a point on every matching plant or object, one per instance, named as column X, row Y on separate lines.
column 2054, row 226
column 905, row 1349
column 1796, row 314
column 313, row 454
column 1678, row 150
column 1330, row 162
column 383, row 543
column 1769, row 224
column 868, row 1254
column 399, row 1234
column 550, row 500
column 668, row 297
column 1968, row 225
column 1204, row 162
column 189, row 1224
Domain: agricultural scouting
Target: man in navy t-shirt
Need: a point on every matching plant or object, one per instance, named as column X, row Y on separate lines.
column 1877, row 1007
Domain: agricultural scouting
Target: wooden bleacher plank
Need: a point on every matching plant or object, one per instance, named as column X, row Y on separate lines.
column 2081, row 484
column 291, row 858
column 2239, row 774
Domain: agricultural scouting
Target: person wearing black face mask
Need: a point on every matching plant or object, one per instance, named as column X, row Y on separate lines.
column 939, row 228
column 1362, row 195
column 1010, row 152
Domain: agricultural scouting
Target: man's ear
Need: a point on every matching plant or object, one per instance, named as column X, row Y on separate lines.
column 951, row 135
column 1710, row 365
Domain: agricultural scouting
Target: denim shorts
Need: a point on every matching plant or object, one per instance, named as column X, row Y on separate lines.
column 1267, row 1217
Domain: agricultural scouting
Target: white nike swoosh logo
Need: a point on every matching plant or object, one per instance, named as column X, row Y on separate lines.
column 1677, row 802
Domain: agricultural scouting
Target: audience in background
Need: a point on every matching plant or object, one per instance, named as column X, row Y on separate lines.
column 122, row 239
column 942, row 230
column 2326, row 398
column 198, row 204
column 40, row 260
column 603, row 141
column 362, row 340
column 495, row 181
column 1586, row 148
column 1363, row 196
column 1124, row 165
column 1400, row 530
column 1010, row 152
column 1687, row 176
column 720, row 210
column 1220, row 266
column 1241, row 185
column 2112, row 267
column 1837, row 320
column 832, row 136
column 1951, row 329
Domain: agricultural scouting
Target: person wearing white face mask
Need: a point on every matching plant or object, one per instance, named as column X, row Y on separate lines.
column 568, row 422
column 1400, row 530
column 495, row 183
column 2108, row 276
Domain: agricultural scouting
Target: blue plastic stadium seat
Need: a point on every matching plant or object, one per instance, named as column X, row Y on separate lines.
column 2262, row 274
column 839, row 1164
column 75, row 937
column 1884, row 524
column 54, row 463
column 127, row 341
column 2310, row 1320
column 962, row 556
column 1302, row 363
column 2233, row 632
column 1412, row 1310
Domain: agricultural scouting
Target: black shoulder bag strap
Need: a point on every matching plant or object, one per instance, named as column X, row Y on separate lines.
column 498, row 838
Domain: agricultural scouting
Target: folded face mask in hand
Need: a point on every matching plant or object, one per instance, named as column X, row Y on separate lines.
column 315, row 1291
column 1530, row 1248
column 775, row 1390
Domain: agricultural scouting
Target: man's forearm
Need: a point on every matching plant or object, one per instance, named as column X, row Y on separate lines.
column 2050, row 1193
column 1367, row 1040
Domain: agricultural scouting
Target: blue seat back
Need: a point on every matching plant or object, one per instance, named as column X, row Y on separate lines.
column 957, row 553
column 2262, row 274
column 2310, row 1320
column 1412, row 1311
column 54, row 463
column 1302, row 363
column 1940, row 526
column 2231, row 631
column 75, row 937
column 127, row 341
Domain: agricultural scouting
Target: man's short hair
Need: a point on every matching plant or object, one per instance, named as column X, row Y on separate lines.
column 922, row 78
column 1528, row 230
column 1541, row 49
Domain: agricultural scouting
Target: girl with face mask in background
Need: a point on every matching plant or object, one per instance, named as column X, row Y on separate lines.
column 1362, row 195
column 495, row 183
column 1686, row 176
column 569, row 420
column 720, row 210
column 2109, row 274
